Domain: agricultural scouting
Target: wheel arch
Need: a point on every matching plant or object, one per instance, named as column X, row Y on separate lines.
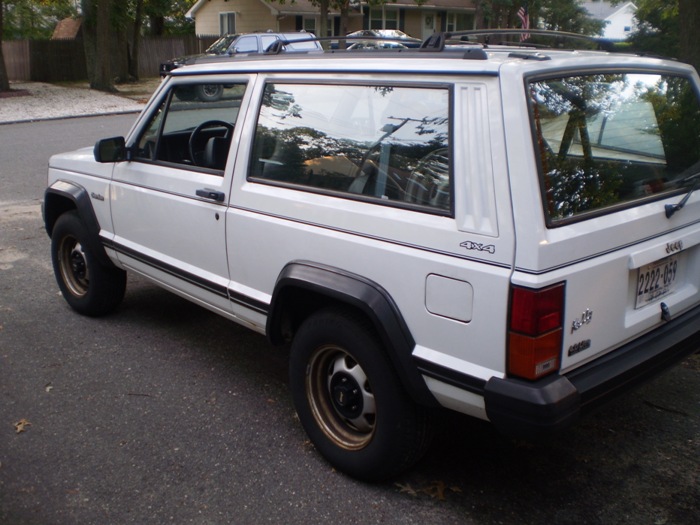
column 304, row 287
column 63, row 196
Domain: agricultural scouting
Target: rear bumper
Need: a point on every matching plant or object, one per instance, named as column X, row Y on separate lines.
column 532, row 409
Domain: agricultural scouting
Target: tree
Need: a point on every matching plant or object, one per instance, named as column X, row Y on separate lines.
column 657, row 27
column 96, row 34
column 559, row 15
column 4, row 80
column 667, row 27
column 112, row 51
column 34, row 19
column 689, row 14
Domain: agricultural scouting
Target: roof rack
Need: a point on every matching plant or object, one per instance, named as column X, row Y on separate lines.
column 474, row 41
column 526, row 38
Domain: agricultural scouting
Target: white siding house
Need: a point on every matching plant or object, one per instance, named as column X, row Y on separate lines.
column 620, row 21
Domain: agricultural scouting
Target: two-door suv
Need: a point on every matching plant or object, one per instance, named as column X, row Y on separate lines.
column 510, row 232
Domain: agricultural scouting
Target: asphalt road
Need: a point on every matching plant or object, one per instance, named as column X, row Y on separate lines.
column 165, row 413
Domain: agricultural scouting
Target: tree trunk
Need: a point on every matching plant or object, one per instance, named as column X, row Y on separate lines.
column 4, row 80
column 689, row 14
column 120, row 51
column 344, row 22
column 479, row 16
column 323, row 22
column 136, row 42
column 157, row 25
column 103, row 60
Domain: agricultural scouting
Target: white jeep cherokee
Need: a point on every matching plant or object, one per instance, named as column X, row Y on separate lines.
column 508, row 232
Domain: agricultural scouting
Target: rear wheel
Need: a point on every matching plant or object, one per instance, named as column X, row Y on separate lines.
column 89, row 287
column 349, row 399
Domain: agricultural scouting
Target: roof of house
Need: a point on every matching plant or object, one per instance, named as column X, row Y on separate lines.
column 299, row 7
column 67, row 29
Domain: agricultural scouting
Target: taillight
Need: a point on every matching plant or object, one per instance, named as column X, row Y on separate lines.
column 535, row 334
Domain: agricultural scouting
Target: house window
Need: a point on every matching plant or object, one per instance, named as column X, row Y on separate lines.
column 459, row 22
column 309, row 24
column 227, row 23
column 382, row 18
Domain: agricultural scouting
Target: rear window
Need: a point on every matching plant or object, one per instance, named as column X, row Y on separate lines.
column 607, row 141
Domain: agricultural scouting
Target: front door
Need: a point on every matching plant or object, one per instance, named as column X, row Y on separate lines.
column 169, row 223
column 429, row 24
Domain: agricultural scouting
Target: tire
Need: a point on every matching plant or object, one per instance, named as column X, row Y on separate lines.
column 209, row 92
column 350, row 401
column 185, row 93
column 89, row 287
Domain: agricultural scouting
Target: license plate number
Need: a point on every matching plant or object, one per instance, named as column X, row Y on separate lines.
column 656, row 280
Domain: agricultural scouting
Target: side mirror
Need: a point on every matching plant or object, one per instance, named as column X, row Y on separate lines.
column 110, row 150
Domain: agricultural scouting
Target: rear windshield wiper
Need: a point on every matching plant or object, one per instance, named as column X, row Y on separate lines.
column 673, row 208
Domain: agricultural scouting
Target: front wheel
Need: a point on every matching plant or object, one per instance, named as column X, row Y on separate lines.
column 209, row 92
column 349, row 399
column 89, row 287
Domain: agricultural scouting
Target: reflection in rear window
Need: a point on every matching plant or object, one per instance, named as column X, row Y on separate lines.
column 613, row 139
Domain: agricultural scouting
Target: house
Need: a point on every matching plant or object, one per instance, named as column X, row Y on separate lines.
column 620, row 21
column 218, row 17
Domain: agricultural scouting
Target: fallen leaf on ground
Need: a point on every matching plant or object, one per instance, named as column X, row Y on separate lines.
column 435, row 490
column 21, row 426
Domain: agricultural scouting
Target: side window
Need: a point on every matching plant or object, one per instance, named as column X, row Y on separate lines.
column 267, row 41
column 378, row 142
column 193, row 126
column 246, row 44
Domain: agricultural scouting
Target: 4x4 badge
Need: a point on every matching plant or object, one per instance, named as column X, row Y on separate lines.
column 469, row 245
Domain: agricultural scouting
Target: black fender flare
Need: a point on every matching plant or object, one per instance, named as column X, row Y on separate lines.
column 304, row 286
column 63, row 196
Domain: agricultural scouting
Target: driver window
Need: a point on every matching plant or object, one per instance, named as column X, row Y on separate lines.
column 193, row 127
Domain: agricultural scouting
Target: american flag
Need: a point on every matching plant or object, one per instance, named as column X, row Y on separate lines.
column 524, row 17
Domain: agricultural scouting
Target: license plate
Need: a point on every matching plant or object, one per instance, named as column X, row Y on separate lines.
column 656, row 280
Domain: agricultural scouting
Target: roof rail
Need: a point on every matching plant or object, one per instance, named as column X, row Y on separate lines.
column 438, row 41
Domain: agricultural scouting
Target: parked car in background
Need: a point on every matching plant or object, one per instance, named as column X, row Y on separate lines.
column 377, row 44
column 229, row 45
column 386, row 36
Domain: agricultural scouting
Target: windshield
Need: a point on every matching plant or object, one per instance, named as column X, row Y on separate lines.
column 221, row 46
column 612, row 140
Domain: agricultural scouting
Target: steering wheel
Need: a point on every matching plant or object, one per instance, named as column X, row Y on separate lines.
column 429, row 182
column 195, row 153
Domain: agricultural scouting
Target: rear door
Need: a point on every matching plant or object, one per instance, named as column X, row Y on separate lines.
column 612, row 213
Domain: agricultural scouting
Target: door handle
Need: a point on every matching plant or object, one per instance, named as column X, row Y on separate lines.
column 214, row 195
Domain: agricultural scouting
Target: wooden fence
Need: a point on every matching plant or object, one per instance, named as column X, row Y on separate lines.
column 64, row 60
